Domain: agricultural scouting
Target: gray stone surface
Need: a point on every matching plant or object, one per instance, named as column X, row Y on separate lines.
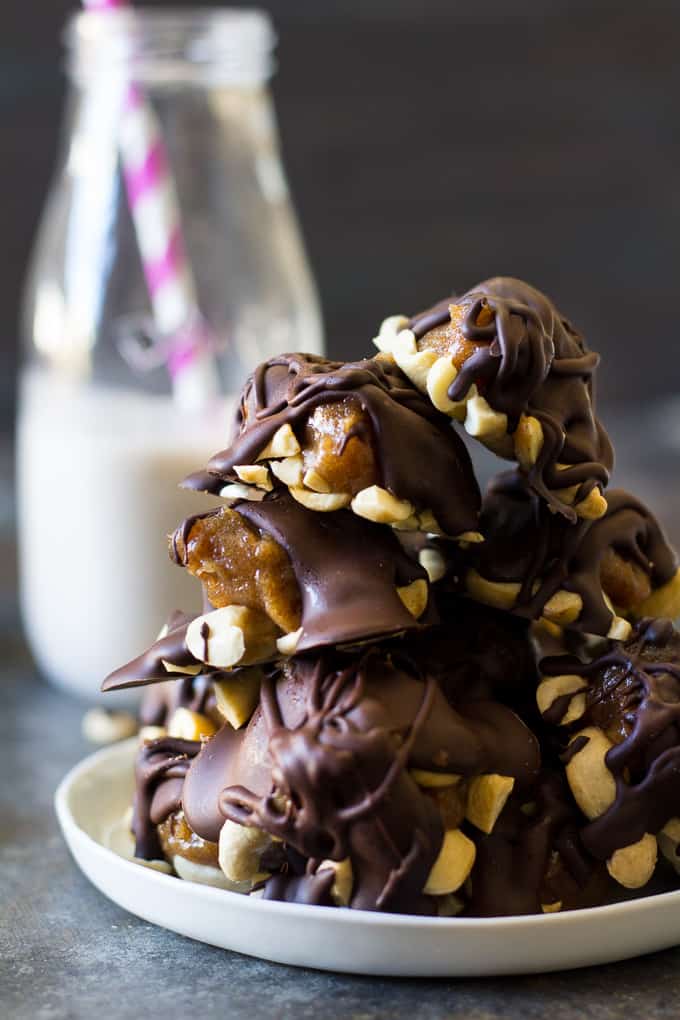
column 66, row 952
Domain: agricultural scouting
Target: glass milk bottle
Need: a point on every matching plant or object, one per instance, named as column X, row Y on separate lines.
column 168, row 264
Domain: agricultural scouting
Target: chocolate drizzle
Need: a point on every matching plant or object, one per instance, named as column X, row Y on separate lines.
column 526, row 543
column 418, row 456
column 530, row 360
column 160, row 770
column 634, row 695
column 323, row 766
column 373, row 698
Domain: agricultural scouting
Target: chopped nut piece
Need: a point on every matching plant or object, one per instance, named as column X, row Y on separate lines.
column 620, row 629
column 528, row 439
column 563, row 608
column 453, row 865
column 487, row 796
column 434, row 779
column 415, row 597
column 470, row 538
column 392, row 325
column 171, row 667
column 428, row 523
column 289, row 471
column 499, row 594
column 379, row 505
column 236, row 490
column 188, row 725
column 283, row 444
column 590, row 781
column 669, row 841
column 312, row 479
column 231, row 636
column 322, row 502
column 148, row 734
column 404, row 343
column 287, row 645
column 554, row 687
column 237, row 697
column 592, row 507
column 415, row 366
column 254, row 474
column 433, row 563
column 240, row 850
column 482, row 422
column 204, row 874
column 439, row 379
column 341, row 890
column 633, row 866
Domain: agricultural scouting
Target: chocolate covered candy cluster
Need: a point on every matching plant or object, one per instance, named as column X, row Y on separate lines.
column 402, row 695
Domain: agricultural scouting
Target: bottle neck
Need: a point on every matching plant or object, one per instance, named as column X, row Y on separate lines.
column 219, row 47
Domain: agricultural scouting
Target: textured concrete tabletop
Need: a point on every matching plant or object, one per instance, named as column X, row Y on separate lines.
column 67, row 952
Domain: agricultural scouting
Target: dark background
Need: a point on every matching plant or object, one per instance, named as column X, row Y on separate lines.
column 430, row 144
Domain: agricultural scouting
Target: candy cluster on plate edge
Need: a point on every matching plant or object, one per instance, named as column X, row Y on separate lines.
column 402, row 694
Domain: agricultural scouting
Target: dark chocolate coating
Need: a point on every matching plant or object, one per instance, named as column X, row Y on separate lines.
column 418, row 455
column 480, row 652
column 526, row 543
column 310, row 889
column 347, row 568
column 533, row 362
column 513, row 862
column 160, row 769
column 148, row 668
column 634, row 695
column 323, row 766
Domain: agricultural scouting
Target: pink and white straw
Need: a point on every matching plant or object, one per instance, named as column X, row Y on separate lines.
column 155, row 210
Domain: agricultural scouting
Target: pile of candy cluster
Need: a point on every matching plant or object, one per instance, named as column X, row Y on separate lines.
column 402, row 695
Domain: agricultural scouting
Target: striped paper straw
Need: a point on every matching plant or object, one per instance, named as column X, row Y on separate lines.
column 155, row 210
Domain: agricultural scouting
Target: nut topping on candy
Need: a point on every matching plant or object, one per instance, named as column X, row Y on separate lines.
column 356, row 434
column 517, row 374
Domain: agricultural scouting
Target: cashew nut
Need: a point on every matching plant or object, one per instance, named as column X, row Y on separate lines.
column 377, row 504
column 237, row 697
column 499, row 594
column 453, row 865
column 415, row 596
column 282, row 444
column 487, row 796
column 633, row 866
column 590, row 781
column 528, row 440
column 188, row 725
column 341, row 890
column 240, row 850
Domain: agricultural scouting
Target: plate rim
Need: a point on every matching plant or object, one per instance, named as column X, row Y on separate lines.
column 70, row 827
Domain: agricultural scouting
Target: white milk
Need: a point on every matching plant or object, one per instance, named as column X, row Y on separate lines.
column 97, row 474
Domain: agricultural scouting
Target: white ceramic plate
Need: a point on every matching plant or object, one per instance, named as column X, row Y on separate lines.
column 94, row 795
